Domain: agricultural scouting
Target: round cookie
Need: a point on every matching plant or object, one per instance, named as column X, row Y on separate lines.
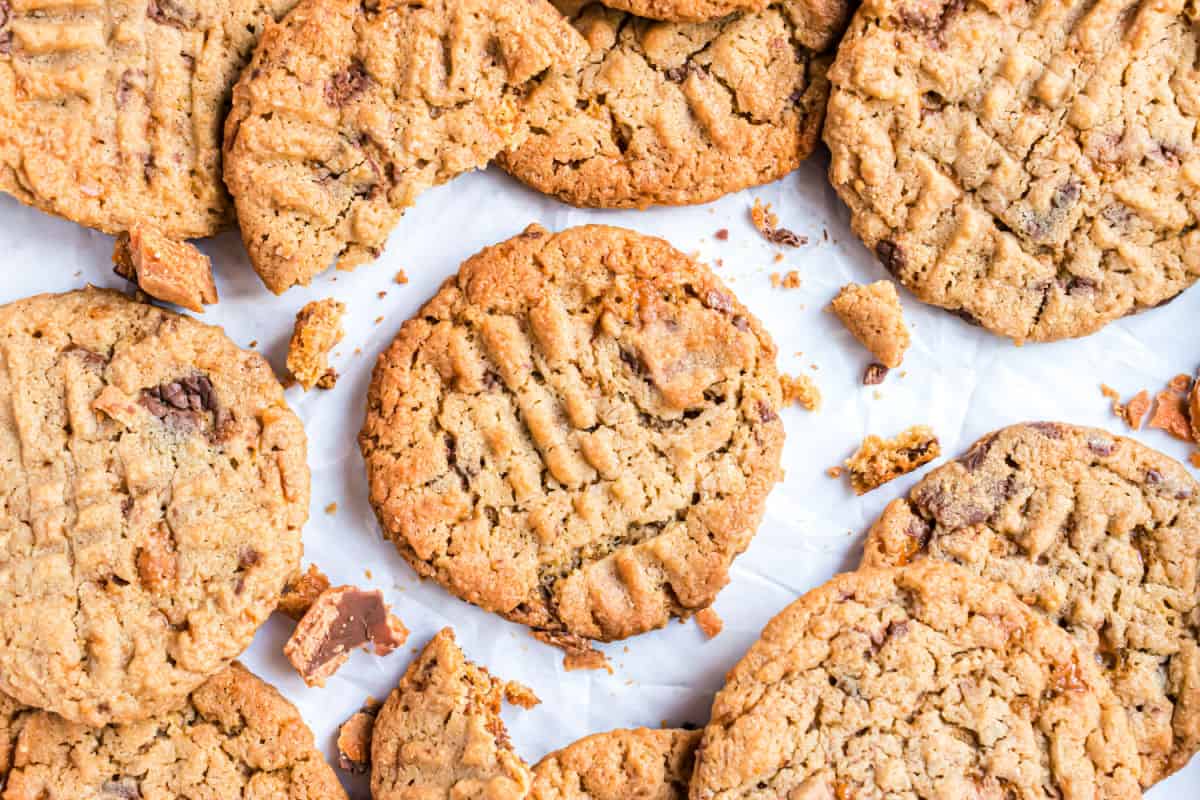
column 1099, row 533
column 643, row 763
column 351, row 109
column 683, row 10
column 235, row 737
column 1033, row 167
column 670, row 114
column 155, row 486
column 111, row 110
column 917, row 682
column 578, row 432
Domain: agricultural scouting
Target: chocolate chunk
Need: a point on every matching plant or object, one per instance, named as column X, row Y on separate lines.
column 183, row 403
column 5, row 42
column 765, row 412
column 1051, row 430
column 785, row 237
column 125, row 86
column 1101, row 448
column 967, row 317
column 5, row 13
column 346, row 85
column 173, row 13
column 342, row 619
column 718, row 301
column 124, row 788
column 90, row 358
column 248, row 558
column 974, row 457
column 679, row 74
column 890, row 255
column 874, row 374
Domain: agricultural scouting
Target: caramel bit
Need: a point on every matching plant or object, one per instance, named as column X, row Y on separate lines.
column 767, row 223
column 800, row 390
column 722, row 235
column 710, row 623
column 579, row 652
column 518, row 694
column 340, row 620
column 787, row 280
column 401, row 277
column 156, row 564
column 842, row 791
column 299, row 595
column 1171, row 415
column 879, row 461
column 171, row 271
column 318, row 328
column 354, row 741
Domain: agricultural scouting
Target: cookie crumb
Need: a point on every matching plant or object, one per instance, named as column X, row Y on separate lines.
column 800, row 390
column 331, row 508
column 1195, row 459
column 879, row 461
column 1171, row 415
column 518, row 694
column 381, row 295
column 874, row 315
column 1114, row 396
column 299, row 595
column 579, row 654
column 401, row 277
column 722, row 235
column 710, row 623
column 1180, row 383
column 354, row 741
column 834, row 472
column 1135, row 410
column 1194, row 409
column 167, row 270
column 767, row 223
column 317, row 329
column 874, row 374
column 340, row 620
column 788, row 280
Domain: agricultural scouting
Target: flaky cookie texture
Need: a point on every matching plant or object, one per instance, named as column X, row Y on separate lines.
column 579, row 432
column 111, row 110
column 1033, row 167
column 156, row 487
column 916, row 682
column 1099, row 533
column 642, row 763
column 684, row 10
column 351, row 109
column 12, row 719
column 668, row 113
column 440, row 735
column 235, row 737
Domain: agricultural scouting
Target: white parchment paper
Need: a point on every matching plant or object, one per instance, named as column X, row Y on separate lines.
column 958, row 379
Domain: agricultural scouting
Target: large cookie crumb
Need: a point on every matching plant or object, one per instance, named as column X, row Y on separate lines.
column 168, row 270
column 879, row 461
column 578, row 652
column 767, row 223
column 342, row 619
column 299, row 594
column 710, row 622
column 800, row 390
column 317, row 330
column 354, row 741
column 873, row 314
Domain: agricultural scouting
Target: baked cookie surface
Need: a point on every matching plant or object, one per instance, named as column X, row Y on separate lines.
column 644, row 764
column 1033, row 167
column 155, row 487
column 349, row 110
column 685, row 10
column 235, row 737
column 924, row 681
column 578, row 432
column 1099, row 533
column 671, row 114
column 111, row 110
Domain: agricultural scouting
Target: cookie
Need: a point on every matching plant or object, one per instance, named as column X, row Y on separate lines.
column 917, row 682
column 670, row 114
column 317, row 330
column 1031, row 167
column 684, row 10
column 644, row 764
column 111, row 110
column 351, row 109
column 155, row 486
column 235, row 737
column 873, row 315
column 1097, row 532
column 168, row 270
column 440, row 735
column 878, row 461
column 578, row 432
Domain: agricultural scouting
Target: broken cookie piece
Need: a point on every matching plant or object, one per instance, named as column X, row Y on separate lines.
column 342, row 619
column 579, row 654
column 710, row 622
column 299, row 594
column 1171, row 415
column 317, row 330
column 168, row 270
column 873, row 314
column 767, row 223
column 354, row 740
column 879, row 461
column 800, row 390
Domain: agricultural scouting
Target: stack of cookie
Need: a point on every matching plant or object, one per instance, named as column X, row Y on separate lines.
column 155, row 487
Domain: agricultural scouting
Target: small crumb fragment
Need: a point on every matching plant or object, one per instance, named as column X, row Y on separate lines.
column 1195, row 459
column 401, row 277
column 1194, row 409
column 1135, row 410
column 518, row 694
column 722, row 235
column 253, row 343
column 767, row 223
column 381, row 295
column 378, row 320
column 873, row 314
column 579, row 652
column 331, row 508
column 1114, row 396
column 709, row 621
column 834, row 472
column 800, row 390
column 879, row 461
column 299, row 595
column 1180, row 383
column 340, row 620
column 354, row 741
column 168, row 270
column 1171, row 415
column 788, row 280
column 874, row 374
column 318, row 328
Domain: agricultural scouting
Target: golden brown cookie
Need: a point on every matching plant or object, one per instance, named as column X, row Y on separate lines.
column 683, row 10
column 351, row 109
column 234, row 737
column 155, row 487
column 578, row 432
column 1032, row 167
column 111, row 110
column 1097, row 532
column 669, row 113
column 641, row 764
column 918, row 682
